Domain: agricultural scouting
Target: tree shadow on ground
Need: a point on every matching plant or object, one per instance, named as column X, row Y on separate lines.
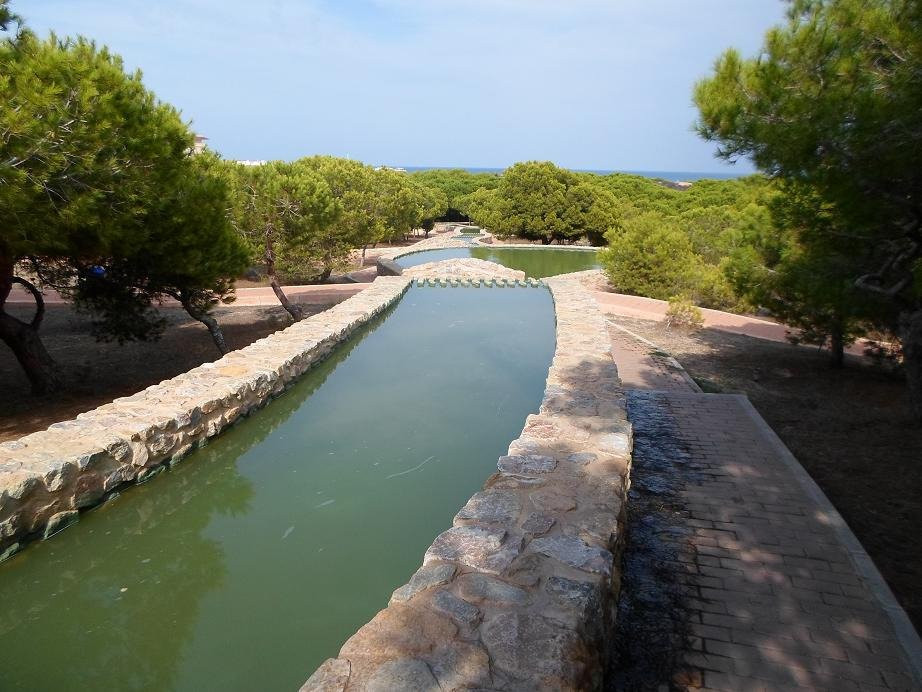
column 849, row 428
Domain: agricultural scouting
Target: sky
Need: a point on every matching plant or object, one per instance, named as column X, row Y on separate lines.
column 588, row 84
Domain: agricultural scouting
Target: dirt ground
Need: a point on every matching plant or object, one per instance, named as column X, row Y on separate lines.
column 99, row 372
column 849, row 429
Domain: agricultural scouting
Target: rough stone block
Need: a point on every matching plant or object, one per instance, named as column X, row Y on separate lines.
column 614, row 443
column 388, row 267
column 406, row 674
column 492, row 507
column 484, row 588
column 526, row 465
column 459, row 665
column 475, row 547
column 60, row 521
column 530, row 647
column 574, row 552
column 538, row 524
column 331, row 676
column 398, row 631
column 552, row 500
column 456, row 608
column 580, row 595
column 9, row 552
column 427, row 576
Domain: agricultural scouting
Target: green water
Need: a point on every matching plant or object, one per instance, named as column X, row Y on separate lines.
column 257, row 556
column 537, row 262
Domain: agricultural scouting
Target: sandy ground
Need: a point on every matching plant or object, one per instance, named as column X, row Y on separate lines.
column 849, row 429
column 99, row 372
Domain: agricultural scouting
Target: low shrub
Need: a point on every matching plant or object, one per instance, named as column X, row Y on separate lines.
column 683, row 314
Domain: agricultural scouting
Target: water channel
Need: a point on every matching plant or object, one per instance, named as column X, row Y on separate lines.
column 537, row 262
column 250, row 562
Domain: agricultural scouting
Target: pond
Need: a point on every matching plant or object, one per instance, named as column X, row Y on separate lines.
column 537, row 262
column 255, row 558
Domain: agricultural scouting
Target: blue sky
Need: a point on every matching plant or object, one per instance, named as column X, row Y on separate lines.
column 597, row 84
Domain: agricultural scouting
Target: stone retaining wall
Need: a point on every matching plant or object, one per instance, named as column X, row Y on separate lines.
column 457, row 240
column 466, row 269
column 520, row 593
column 47, row 477
column 435, row 242
column 536, row 246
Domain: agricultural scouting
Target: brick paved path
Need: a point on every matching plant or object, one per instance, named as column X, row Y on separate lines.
column 774, row 590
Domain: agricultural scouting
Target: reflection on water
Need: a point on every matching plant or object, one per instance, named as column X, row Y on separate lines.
column 255, row 558
column 537, row 262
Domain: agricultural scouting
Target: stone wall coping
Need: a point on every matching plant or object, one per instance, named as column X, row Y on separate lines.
column 532, row 246
column 443, row 241
column 520, row 592
column 467, row 268
column 47, row 477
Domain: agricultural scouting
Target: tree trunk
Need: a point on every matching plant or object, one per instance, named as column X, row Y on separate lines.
column 23, row 339
column 293, row 310
column 210, row 322
column 837, row 347
column 911, row 340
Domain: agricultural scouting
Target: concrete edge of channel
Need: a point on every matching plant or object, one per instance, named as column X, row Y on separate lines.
column 903, row 628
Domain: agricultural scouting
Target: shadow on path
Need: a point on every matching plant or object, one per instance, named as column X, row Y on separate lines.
column 754, row 576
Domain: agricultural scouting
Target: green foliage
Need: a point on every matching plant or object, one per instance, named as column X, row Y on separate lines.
column 455, row 183
column 6, row 15
column 683, row 314
column 402, row 203
column 100, row 197
column 652, row 257
column 433, row 205
column 84, row 149
column 539, row 201
column 289, row 216
column 832, row 107
column 357, row 195
column 806, row 285
column 669, row 242
column 305, row 218
column 191, row 255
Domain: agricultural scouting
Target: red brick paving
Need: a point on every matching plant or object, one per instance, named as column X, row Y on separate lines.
column 777, row 591
column 775, row 599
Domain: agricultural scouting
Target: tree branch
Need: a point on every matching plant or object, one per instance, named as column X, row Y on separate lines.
column 39, row 301
column 874, row 282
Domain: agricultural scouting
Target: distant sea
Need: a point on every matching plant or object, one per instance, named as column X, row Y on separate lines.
column 674, row 176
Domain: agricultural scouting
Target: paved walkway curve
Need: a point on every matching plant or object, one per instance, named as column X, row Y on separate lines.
column 775, row 591
column 621, row 304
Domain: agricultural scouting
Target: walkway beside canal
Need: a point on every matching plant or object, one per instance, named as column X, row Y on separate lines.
column 614, row 304
column 771, row 588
